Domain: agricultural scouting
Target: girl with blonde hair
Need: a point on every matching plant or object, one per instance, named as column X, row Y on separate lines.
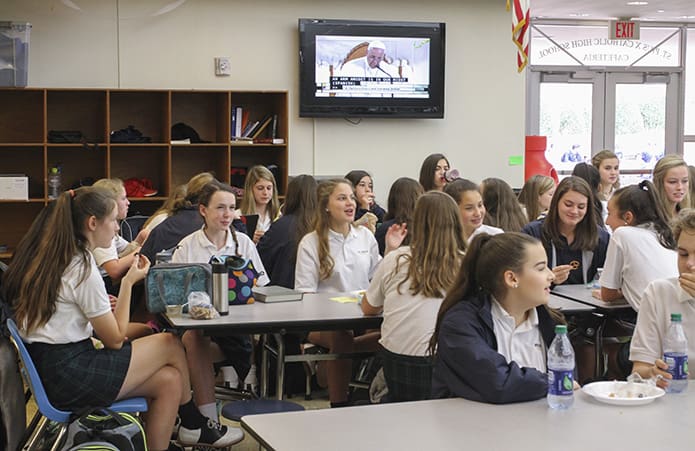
column 261, row 198
column 409, row 286
column 672, row 182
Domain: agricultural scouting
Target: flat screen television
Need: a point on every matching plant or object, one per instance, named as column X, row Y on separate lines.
column 355, row 68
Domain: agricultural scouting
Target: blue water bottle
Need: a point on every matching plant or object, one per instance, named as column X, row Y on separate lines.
column 560, row 370
column 676, row 355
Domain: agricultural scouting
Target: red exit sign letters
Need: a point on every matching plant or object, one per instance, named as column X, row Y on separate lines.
column 623, row 29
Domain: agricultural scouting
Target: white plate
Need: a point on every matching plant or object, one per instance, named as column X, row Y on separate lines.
column 608, row 391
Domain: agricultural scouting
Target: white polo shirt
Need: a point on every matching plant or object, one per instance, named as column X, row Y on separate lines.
column 197, row 248
column 522, row 344
column 484, row 228
column 409, row 319
column 106, row 254
column 634, row 259
column 75, row 305
column 355, row 258
column 661, row 298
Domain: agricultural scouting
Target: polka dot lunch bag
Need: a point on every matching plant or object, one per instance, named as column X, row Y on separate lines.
column 242, row 278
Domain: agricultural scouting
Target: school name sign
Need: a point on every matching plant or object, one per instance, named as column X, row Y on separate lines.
column 603, row 51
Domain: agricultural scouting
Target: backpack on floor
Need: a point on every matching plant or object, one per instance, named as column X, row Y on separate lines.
column 97, row 429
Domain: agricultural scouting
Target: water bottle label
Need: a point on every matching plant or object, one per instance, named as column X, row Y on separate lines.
column 560, row 382
column 677, row 364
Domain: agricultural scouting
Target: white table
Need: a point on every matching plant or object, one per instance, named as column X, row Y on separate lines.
column 581, row 293
column 568, row 306
column 314, row 312
column 458, row 424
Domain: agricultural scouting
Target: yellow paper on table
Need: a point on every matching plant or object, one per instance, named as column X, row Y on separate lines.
column 355, row 297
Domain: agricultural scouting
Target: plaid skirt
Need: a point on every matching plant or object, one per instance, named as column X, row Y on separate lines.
column 409, row 378
column 76, row 375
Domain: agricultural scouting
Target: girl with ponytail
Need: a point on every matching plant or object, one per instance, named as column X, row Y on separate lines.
column 494, row 326
column 642, row 246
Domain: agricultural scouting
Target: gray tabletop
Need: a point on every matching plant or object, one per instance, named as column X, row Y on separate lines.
column 568, row 306
column 457, row 424
column 314, row 312
column 581, row 293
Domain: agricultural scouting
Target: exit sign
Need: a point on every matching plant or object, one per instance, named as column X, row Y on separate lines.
column 623, row 29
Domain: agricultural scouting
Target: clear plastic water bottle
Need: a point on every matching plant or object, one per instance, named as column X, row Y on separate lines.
column 560, row 370
column 54, row 182
column 676, row 354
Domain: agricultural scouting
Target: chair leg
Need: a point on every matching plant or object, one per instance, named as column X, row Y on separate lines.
column 59, row 438
column 37, row 431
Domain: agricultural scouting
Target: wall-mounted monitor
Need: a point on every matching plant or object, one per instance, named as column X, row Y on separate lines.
column 354, row 68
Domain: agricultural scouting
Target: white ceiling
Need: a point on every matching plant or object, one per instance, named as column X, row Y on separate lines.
column 657, row 10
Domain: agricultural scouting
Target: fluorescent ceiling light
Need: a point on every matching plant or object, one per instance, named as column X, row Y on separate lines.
column 637, row 3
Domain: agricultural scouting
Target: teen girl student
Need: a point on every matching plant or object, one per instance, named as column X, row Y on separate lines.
column 591, row 176
column 173, row 202
column 278, row 247
column 494, row 326
column 261, row 198
column 502, row 207
column 672, row 181
column 217, row 206
column 433, row 172
column 338, row 257
column 662, row 298
column 641, row 248
column 116, row 258
column 467, row 196
column 574, row 243
column 535, row 196
column 409, row 286
column 403, row 194
column 364, row 194
column 608, row 166
column 59, row 306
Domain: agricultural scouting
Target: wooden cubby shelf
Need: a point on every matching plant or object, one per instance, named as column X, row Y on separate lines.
column 28, row 115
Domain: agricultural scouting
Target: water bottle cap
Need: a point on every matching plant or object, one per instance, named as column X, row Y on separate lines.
column 676, row 317
column 560, row 329
column 54, row 170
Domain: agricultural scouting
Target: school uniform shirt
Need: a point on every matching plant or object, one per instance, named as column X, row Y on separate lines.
column 197, row 248
column 522, row 344
column 409, row 319
column 563, row 255
column 75, row 305
column 355, row 258
column 106, row 254
column 484, row 228
column 264, row 223
column 468, row 363
column 634, row 259
column 661, row 298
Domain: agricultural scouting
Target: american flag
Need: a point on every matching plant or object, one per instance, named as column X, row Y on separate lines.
column 520, row 30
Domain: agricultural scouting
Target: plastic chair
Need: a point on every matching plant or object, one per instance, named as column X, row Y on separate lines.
column 46, row 410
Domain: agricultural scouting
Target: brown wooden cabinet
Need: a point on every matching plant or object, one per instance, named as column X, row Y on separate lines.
column 27, row 115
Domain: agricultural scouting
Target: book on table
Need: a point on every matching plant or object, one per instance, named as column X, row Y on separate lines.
column 275, row 293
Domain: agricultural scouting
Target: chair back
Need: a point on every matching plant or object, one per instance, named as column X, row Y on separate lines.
column 131, row 226
column 32, row 379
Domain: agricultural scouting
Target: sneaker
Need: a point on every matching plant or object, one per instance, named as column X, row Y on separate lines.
column 137, row 188
column 211, row 434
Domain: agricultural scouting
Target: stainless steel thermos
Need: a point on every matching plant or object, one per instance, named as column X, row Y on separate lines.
column 220, row 288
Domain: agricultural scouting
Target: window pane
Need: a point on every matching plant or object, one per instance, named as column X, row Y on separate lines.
column 690, row 84
column 591, row 47
column 689, row 153
column 565, row 118
column 640, row 115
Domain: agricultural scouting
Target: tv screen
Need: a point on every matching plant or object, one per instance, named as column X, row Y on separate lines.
column 351, row 68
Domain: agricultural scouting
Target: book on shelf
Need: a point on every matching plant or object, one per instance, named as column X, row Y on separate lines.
column 250, row 127
column 274, row 127
column 269, row 141
column 262, row 126
column 181, row 141
column 275, row 293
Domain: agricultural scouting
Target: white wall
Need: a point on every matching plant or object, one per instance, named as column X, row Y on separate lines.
column 120, row 43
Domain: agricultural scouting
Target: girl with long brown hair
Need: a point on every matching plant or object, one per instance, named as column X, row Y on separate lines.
column 409, row 285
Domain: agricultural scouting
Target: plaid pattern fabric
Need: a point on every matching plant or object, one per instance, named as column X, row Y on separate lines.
column 76, row 375
column 409, row 378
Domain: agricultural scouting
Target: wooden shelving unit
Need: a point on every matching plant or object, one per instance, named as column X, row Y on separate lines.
column 28, row 114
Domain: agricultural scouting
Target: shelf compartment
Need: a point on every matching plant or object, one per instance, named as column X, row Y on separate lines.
column 261, row 103
column 27, row 161
column 22, row 214
column 207, row 112
column 83, row 110
column 79, row 166
column 147, row 111
column 187, row 161
column 142, row 162
column 22, row 120
column 248, row 156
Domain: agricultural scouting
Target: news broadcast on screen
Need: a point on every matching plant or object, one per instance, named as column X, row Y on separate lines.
column 372, row 66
